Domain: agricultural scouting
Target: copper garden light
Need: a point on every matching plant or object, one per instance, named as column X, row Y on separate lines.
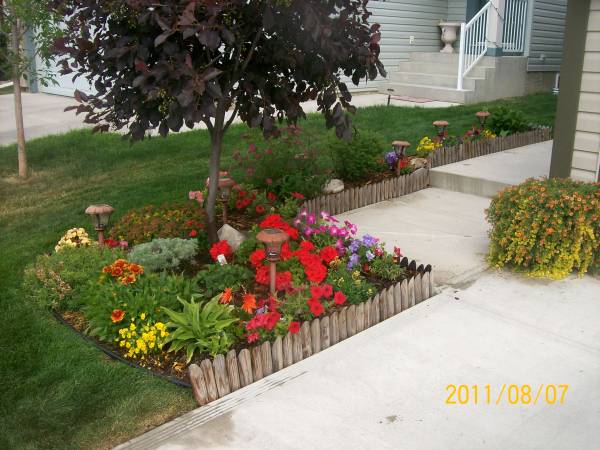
column 225, row 185
column 441, row 128
column 100, row 215
column 482, row 117
column 273, row 239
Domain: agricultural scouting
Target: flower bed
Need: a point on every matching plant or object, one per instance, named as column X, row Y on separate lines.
column 164, row 306
column 226, row 373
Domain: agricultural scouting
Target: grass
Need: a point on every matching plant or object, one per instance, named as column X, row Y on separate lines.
column 6, row 90
column 55, row 390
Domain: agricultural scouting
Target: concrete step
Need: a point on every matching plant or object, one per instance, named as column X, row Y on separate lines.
column 448, row 58
column 443, row 94
column 486, row 175
column 432, row 79
column 446, row 69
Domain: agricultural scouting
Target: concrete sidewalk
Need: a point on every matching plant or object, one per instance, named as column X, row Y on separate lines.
column 445, row 229
column 385, row 388
column 43, row 114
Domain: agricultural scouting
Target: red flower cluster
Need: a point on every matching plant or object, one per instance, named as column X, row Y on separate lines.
column 276, row 221
column 221, row 248
column 328, row 254
column 323, row 293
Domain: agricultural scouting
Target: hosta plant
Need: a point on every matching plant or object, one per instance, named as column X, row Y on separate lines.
column 203, row 328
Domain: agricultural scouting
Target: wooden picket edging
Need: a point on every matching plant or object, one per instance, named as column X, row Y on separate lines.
column 215, row 378
column 467, row 150
column 358, row 197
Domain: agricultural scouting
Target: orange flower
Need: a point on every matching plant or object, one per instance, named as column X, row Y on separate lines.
column 117, row 271
column 119, row 262
column 106, row 269
column 117, row 315
column 249, row 303
column 226, row 296
column 136, row 268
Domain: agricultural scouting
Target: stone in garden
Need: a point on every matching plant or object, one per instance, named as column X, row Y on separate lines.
column 418, row 163
column 334, row 186
column 232, row 236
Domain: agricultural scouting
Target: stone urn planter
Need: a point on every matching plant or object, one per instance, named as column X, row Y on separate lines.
column 449, row 35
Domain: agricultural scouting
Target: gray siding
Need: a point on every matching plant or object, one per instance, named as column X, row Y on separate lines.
column 401, row 19
column 547, row 35
column 457, row 11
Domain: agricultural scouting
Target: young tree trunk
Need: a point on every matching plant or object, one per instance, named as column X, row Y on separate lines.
column 213, row 173
column 16, row 78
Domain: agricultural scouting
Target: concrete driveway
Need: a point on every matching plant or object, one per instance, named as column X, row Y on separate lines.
column 385, row 388
column 43, row 114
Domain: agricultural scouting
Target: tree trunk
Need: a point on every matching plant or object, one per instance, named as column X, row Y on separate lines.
column 16, row 78
column 216, row 137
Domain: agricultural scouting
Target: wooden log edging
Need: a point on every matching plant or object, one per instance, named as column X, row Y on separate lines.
column 358, row 197
column 468, row 150
column 217, row 377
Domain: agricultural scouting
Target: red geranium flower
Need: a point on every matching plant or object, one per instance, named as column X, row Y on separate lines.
column 283, row 281
column 339, row 298
column 252, row 337
column 298, row 195
column 221, row 248
column 327, row 290
column 257, row 257
column 239, row 204
column 117, row 315
column 316, row 307
column 286, row 253
column 316, row 274
column 328, row 254
column 262, row 275
column 272, row 319
column 271, row 196
column 294, row 327
column 193, row 233
column 306, row 245
column 260, row 209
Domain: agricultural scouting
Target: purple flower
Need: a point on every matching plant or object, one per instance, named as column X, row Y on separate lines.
column 342, row 232
column 391, row 158
column 354, row 246
column 370, row 256
column 353, row 261
column 351, row 227
column 369, row 241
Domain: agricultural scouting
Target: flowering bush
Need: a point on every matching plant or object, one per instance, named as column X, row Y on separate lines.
column 221, row 248
column 546, row 228
column 426, row 146
column 75, row 237
column 283, row 165
column 124, row 271
column 477, row 134
column 171, row 220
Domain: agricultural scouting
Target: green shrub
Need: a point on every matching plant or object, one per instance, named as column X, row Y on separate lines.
column 64, row 279
column 163, row 254
column 361, row 157
column 289, row 163
column 204, row 329
column 355, row 288
column 171, row 220
column 505, row 120
column 385, row 268
column 546, row 228
column 215, row 278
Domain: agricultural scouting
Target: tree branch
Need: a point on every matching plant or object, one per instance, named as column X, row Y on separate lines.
column 232, row 118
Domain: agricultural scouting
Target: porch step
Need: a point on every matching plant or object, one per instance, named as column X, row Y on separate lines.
column 445, row 69
column 449, row 58
column 433, row 79
column 439, row 93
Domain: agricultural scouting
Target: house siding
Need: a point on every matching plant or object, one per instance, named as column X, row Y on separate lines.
column 585, row 163
column 400, row 19
column 547, row 35
column 457, row 11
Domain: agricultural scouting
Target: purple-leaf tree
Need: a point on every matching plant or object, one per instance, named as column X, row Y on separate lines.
column 160, row 65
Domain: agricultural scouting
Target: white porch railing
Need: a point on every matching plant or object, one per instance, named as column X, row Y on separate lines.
column 515, row 23
column 473, row 42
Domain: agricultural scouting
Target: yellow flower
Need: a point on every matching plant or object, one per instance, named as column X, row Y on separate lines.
column 142, row 316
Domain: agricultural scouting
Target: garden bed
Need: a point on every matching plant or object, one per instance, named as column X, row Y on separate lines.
column 226, row 373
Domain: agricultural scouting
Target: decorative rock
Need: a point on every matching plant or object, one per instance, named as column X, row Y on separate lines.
column 232, row 236
column 333, row 186
column 418, row 163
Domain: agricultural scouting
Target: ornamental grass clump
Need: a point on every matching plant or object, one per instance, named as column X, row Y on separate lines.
column 546, row 228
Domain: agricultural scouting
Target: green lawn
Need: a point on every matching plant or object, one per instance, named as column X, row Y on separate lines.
column 55, row 390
